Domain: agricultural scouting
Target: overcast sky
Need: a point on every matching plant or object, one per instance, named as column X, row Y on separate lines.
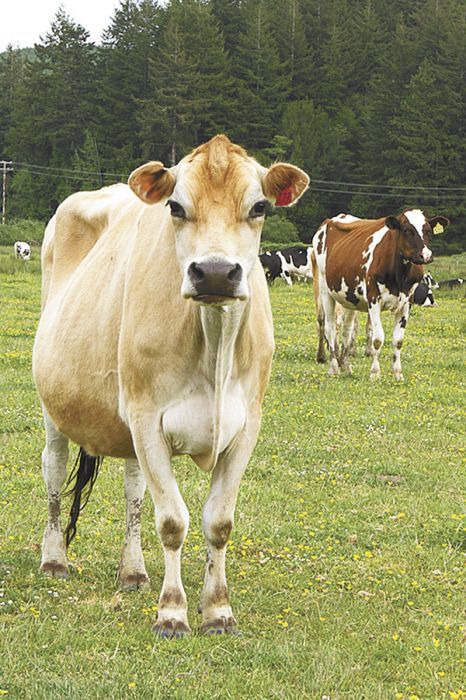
column 22, row 22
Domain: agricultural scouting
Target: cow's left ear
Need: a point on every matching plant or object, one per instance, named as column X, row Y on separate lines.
column 152, row 182
column 442, row 220
column 283, row 184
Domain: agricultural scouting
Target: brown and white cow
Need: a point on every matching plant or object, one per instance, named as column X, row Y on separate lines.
column 369, row 265
column 134, row 364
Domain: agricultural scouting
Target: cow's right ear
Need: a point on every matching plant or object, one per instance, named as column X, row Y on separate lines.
column 152, row 182
column 392, row 222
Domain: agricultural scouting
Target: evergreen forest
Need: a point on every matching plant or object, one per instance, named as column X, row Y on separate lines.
column 368, row 96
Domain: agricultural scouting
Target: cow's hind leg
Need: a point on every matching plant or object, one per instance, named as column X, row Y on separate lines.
column 377, row 338
column 330, row 329
column 368, row 350
column 347, row 333
column 54, row 459
column 320, row 357
column 217, row 523
column 401, row 318
column 132, row 572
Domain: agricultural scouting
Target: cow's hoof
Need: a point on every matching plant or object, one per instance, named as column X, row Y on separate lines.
column 134, row 582
column 374, row 376
column 55, row 569
column 171, row 629
column 221, row 625
column 321, row 359
column 398, row 376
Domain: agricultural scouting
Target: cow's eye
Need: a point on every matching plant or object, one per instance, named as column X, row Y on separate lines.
column 258, row 209
column 176, row 209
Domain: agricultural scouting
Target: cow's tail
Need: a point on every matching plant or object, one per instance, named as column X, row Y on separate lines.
column 84, row 474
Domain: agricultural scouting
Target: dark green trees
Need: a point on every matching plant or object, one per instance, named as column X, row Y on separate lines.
column 368, row 96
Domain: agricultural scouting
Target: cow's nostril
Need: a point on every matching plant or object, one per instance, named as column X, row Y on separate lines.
column 195, row 272
column 235, row 273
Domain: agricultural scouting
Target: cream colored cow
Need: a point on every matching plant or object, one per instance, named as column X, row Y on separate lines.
column 156, row 340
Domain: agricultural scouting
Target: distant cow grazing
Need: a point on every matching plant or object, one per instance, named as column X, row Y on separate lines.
column 288, row 263
column 423, row 294
column 451, row 284
column 134, row 364
column 369, row 265
column 22, row 250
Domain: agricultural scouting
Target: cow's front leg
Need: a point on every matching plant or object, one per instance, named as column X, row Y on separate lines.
column 172, row 520
column 132, row 572
column 377, row 338
column 401, row 319
column 54, row 459
column 217, row 523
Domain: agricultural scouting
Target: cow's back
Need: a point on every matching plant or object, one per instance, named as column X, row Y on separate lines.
column 72, row 232
column 84, row 258
column 347, row 247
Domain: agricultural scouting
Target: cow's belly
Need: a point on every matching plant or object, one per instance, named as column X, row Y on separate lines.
column 188, row 424
column 390, row 302
column 342, row 298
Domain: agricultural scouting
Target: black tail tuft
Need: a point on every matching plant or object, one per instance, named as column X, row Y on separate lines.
column 84, row 474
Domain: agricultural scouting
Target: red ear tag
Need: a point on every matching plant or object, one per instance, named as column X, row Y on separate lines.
column 285, row 197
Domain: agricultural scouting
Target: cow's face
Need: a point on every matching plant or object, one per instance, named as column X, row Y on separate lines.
column 414, row 231
column 217, row 199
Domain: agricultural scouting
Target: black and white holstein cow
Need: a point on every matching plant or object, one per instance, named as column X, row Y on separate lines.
column 423, row 294
column 287, row 264
column 451, row 284
column 22, row 250
column 370, row 265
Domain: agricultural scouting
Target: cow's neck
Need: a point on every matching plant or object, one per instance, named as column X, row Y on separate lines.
column 220, row 329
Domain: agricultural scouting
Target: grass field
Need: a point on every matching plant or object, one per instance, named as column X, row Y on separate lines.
column 345, row 564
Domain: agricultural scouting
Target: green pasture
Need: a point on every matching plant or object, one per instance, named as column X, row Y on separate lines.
column 345, row 563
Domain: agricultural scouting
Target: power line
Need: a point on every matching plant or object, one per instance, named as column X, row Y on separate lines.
column 440, row 193
column 385, row 187
column 49, row 168
column 393, row 195
column 313, row 180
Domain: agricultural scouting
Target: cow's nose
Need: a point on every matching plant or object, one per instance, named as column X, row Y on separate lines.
column 427, row 255
column 215, row 277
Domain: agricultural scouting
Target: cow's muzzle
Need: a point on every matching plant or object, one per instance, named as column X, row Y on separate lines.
column 215, row 281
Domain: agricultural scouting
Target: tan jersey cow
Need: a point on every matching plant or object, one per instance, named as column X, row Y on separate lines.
column 156, row 340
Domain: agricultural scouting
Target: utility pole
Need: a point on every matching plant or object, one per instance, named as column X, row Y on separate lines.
column 7, row 167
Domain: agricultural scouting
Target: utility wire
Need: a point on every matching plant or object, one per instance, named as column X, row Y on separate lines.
column 391, row 187
column 440, row 193
column 66, row 170
column 393, row 195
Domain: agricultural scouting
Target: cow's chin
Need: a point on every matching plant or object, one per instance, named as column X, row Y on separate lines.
column 214, row 299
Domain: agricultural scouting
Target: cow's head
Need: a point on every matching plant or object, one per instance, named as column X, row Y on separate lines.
column 414, row 231
column 217, row 198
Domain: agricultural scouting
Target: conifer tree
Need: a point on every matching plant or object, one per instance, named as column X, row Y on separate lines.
column 128, row 44
column 263, row 87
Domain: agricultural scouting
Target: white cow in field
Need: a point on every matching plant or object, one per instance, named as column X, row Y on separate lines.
column 22, row 250
column 140, row 365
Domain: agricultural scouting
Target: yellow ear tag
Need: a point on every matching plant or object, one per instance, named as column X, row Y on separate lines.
column 438, row 228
